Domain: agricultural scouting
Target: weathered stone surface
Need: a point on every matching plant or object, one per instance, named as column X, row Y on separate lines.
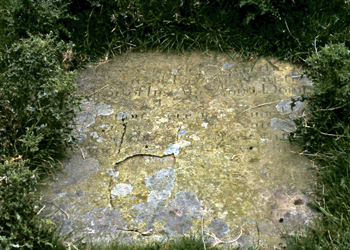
column 169, row 141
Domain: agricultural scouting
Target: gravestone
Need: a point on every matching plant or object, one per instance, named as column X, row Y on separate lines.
column 178, row 144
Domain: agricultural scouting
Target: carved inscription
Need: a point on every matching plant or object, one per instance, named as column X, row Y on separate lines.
column 202, row 109
column 196, row 89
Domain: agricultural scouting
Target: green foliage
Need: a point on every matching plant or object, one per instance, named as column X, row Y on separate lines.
column 331, row 230
column 38, row 17
column 20, row 18
column 183, row 243
column 328, row 113
column 286, row 29
column 257, row 8
column 36, row 109
column 20, row 228
column 37, row 93
column 324, row 131
column 9, row 125
column 41, row 93
column 330, row 71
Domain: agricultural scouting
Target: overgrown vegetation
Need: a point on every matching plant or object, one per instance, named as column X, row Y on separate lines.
column 20, row 227
column 183, row 243
column 328, row 113
column 252, row 28
column 37, row 103
column 40, row 93
column 324, row 133
column 41, row 42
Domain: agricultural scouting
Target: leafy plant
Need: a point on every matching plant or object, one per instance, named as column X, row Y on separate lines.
column 285, row 29
column 20, row 227
column 324, row 132
column 41, row 93
column 37, row 93
column 9, row 125
column 328, row 113
column 20, row 18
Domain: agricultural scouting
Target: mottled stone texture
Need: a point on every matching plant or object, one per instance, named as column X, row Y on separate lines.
column 168, row 142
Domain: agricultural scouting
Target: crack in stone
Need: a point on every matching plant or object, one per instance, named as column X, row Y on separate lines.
column 110, row 191
column 149, row 155
column 123, row 134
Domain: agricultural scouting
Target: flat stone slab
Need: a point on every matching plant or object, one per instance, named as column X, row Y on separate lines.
column 170, row 144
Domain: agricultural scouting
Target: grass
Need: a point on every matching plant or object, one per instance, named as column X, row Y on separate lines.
column 324, row 132
column 283, row 29
column 331, row 231
column 181, row 243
